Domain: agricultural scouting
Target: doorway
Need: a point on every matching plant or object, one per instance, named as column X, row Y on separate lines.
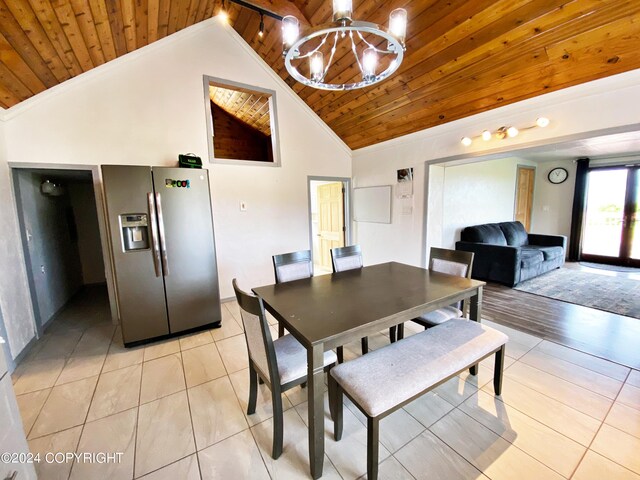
column 611, row 216
column 525, row 180
column 61, row 238
column 328, row 219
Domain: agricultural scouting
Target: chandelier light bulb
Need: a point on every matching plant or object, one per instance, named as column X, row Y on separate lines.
column 316, row 65
column 486, row 135
column 342, row 10
column 261, row 32
column 398, row 24
column 223, row 16
column 369, row 63
column 512, row 132
column 466, row 141
column 542, row 122
column 290, row 30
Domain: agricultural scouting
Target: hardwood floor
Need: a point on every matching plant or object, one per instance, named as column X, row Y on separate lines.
column 603, row 334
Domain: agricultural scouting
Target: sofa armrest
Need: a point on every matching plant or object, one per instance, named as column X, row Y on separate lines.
column 548, row 240
column 499, row 263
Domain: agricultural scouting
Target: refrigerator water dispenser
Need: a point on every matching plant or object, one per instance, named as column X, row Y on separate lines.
column 135, row 231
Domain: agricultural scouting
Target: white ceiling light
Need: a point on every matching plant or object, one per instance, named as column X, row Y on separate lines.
column 505, row 132
column 361, row 38
column 542, row 122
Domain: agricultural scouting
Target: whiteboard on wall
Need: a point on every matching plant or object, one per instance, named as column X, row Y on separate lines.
column 372, row 204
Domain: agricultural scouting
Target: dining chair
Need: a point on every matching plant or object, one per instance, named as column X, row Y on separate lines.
column 292, row 266
column 350, row 258
column 281, row 364
column 452, row 262
column 288, row 267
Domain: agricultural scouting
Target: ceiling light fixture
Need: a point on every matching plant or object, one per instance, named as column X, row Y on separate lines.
column 504, row 132
column 374, row 41
column 222, row 14
column 261, row 11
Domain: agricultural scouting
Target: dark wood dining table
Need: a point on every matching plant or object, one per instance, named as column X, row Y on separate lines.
column 326, row 311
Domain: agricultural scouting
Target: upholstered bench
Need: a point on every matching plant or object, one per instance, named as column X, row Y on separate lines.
column 385, row 380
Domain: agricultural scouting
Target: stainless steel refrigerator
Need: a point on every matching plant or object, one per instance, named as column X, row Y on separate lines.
column 163, row 250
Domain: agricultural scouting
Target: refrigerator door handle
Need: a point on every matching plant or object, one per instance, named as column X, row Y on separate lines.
column 155, row 246
column 163, row 238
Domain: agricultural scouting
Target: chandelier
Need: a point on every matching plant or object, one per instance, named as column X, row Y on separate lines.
column 375, row 43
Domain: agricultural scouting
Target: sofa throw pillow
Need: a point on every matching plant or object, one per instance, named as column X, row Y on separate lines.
column 487, row 233
column 515, row 233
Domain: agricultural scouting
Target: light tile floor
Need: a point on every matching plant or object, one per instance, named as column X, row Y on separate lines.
column 176, row 409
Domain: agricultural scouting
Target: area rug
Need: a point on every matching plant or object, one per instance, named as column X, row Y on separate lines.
column 604, row 292
column 611, row 268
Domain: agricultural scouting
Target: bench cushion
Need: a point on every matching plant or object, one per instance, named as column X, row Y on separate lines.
column 395, row 373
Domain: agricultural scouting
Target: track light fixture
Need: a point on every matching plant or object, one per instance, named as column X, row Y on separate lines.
column 261, row 11
column 504, row 132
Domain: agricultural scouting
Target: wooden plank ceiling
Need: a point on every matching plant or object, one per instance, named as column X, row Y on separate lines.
column 463, row 57
column 250, row 107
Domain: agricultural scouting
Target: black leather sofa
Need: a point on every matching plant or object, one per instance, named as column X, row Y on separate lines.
column 506, row 253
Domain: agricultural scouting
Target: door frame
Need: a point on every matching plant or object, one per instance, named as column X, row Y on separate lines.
column 96, row 175
column 520, row 167
column 633, row 182
column 348, row 214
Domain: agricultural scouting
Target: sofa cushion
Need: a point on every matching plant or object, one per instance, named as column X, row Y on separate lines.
column 549, row 253
column 515, row 233
column 530, row 257
column 487, row 233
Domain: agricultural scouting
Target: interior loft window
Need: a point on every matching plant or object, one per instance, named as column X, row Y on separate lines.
column 242, row 123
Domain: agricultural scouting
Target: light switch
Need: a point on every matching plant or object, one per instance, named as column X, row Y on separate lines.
column 243, row 206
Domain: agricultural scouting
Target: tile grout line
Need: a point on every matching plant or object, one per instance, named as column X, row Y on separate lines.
column 536, row 419
column 325, row 453
column 583, row 353
column 92, row 397
column 54, row 382
column 598, row 431
column 569, row 381
column 513, row 444
column 193, row 430
column 135, row 440
column 556, row 400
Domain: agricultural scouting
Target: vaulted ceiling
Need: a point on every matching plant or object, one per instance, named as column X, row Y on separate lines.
column 463, row 57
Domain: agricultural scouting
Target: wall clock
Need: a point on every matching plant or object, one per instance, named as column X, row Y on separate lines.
column 558, row 175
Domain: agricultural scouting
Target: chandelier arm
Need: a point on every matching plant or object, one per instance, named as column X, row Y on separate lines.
column 373, row 46
column 333, row 51
column 308, row 54
column 355, row 51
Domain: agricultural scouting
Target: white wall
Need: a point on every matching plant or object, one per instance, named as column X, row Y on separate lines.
column 15, row 301
column 612, row 102
column 146, row 108
column 552, row 204
column 435, row 201
column 381, row 242
column 476, row 193
column 53, row 254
